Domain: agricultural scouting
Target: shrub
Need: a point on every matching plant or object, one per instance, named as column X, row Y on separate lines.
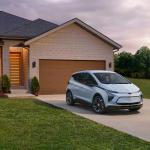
column 35, row 86
column 5, row 84
column 1, row 91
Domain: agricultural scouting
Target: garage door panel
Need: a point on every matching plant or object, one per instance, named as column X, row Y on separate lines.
column 54, row 74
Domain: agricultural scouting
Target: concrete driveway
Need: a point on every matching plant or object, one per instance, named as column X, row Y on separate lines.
column 136, row 124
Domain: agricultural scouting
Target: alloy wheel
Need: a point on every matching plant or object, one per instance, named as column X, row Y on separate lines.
column 98, row 105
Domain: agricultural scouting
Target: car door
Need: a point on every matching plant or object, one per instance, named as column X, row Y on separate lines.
column 76, row 87
column 87, row 87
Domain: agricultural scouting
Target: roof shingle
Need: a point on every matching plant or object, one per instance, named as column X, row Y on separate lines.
column 9, row 22
column 16, row 27
column 32, row 29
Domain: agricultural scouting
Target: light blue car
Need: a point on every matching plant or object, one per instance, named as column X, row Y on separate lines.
column 103, row 90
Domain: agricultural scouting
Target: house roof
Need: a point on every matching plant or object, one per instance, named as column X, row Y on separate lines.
column 32, row 29
column 8, row 22
column 14, row 27
column 114, row 44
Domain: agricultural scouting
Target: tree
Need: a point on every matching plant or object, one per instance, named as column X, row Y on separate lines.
column 124, row 63
column 142, row 61
column 137, row 65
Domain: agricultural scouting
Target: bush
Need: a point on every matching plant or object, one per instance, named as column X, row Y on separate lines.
column 1, row 91
column 5, row 84
column 35, row 86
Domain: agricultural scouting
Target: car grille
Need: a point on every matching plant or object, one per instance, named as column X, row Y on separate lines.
column 129, row 100
column 129, row 103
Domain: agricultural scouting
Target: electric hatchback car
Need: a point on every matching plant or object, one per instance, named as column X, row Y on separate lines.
column 103, row 90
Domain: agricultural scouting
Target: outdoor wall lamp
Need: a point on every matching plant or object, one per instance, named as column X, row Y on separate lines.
column 110, row 65
column 33, row 64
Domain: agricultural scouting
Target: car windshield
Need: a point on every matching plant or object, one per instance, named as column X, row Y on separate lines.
column 111, row 78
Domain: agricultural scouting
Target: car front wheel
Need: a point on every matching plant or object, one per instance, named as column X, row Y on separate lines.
column 69, row 98
column 98, row 104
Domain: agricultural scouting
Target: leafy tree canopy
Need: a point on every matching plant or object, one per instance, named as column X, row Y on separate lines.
column 137, row 65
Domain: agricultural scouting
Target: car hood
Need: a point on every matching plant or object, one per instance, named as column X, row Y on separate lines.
column 121, row 88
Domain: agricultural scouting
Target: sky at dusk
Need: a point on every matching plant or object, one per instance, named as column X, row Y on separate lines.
column 125, row 21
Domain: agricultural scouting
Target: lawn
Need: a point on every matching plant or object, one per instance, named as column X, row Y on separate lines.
column 144, row 85
column 31, row 125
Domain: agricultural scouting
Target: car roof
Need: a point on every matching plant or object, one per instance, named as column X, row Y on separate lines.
column 94, row 71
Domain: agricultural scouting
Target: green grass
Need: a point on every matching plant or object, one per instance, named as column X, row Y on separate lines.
column 144, row 85
column 31, row 125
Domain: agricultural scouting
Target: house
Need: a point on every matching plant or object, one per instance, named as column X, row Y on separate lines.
column 50, row 52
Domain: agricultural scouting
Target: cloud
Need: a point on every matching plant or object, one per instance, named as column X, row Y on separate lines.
column 127, row 22
column 58, row 1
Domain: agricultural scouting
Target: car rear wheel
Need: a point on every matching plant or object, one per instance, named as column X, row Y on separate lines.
column 69, row 98
column 134, row 109
column 98, row 105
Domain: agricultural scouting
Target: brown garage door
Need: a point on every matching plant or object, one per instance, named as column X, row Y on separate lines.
column 54, row 74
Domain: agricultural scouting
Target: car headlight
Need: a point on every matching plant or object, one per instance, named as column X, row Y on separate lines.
column 110, row 95
column 141, row 94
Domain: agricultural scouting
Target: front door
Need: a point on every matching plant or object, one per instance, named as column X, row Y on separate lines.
column 15, row 69
column 87, row 87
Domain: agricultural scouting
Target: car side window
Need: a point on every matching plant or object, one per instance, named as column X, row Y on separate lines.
column 88, row 79
column 77, row 77
column 84, row 78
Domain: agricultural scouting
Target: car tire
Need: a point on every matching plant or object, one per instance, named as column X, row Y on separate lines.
column 98, row 104
column 69, row 98
column 134, row 109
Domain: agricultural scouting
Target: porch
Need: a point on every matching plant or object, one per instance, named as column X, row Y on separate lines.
column 14, row 62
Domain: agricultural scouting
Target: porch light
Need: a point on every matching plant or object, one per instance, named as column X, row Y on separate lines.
column 110, row 65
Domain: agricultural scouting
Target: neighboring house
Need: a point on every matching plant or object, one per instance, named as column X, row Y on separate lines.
column 50, row 52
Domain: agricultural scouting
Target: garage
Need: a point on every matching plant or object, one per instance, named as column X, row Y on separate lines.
column 54, row 74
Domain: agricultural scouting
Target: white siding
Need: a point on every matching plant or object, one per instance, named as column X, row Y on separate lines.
column 72, row 43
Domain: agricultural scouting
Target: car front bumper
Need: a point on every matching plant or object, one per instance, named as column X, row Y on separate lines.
column 126, row 101
column 125, row 106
